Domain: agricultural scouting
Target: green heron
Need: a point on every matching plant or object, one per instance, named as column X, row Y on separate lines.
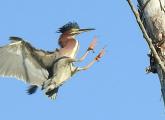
column 39, row 68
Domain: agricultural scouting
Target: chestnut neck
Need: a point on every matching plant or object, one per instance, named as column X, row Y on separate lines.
column 66, row 40
column 68, row 45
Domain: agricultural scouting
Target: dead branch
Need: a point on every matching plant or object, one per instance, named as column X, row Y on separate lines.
column 145, row 35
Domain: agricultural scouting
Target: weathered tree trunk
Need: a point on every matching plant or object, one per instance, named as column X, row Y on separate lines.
column 152, row 14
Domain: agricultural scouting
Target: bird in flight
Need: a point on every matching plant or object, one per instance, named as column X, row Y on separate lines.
column 47, row 70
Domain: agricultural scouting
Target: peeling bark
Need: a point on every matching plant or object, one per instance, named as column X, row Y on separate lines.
column 151, row 20
column 152, row 15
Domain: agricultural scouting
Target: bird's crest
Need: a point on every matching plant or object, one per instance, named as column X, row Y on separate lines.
column 68, row 26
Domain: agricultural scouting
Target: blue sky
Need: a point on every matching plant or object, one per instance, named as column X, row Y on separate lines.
column 115, row 88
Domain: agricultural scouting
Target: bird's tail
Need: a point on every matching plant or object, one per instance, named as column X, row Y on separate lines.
column 32, row 89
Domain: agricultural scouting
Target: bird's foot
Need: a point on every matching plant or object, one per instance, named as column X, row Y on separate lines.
column 100, row 55
column 92, row 44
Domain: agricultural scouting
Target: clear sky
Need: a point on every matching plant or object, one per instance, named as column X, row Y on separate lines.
column 116, row 88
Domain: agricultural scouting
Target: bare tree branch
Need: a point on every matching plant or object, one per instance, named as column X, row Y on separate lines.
column 151, row 20
column 145, row 35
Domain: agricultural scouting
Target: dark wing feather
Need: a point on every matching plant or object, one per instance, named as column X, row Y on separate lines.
column 17, row 60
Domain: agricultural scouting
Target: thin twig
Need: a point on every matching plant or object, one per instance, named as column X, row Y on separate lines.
column 147, row 38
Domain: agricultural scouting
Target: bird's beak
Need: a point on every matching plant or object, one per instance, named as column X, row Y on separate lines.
column 79, row 31
column 86, row 30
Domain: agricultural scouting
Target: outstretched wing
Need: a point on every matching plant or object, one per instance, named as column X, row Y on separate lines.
column 18, row 60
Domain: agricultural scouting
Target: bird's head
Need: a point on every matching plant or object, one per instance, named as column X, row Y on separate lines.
column 72, row 29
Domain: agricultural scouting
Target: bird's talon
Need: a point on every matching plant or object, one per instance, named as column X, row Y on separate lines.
column 100, row 55
column 92, row 44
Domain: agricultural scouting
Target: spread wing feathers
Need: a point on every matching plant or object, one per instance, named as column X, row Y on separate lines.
column 17, row 60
